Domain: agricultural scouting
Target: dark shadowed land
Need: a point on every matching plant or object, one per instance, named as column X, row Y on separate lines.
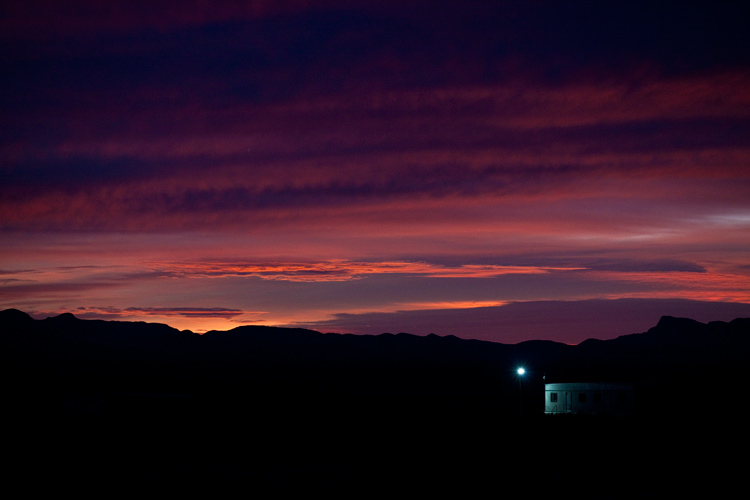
column 112, row 406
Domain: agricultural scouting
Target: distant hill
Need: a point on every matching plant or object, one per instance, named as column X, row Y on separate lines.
column 65, row 355
column 105, row 403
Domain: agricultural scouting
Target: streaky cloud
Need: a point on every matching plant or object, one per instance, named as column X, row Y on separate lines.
column 342, row 270
column 562, row 321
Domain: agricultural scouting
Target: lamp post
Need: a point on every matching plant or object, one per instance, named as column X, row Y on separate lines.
column 520, row 372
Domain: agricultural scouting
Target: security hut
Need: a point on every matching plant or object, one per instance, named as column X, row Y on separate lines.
column 589, row 398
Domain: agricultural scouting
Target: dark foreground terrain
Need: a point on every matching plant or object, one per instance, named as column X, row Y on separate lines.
column 103, row 407
column 350, row 454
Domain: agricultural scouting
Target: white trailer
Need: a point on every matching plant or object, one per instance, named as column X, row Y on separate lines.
column 592, row 398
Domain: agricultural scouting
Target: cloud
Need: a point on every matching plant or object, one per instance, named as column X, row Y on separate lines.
column 48, row 19
column 24, row 290
column 561, row 321
column 162, row 312
column 246, row 114
column 641, row 266
column 717, row 285
column 340, row 270
column 517, row 150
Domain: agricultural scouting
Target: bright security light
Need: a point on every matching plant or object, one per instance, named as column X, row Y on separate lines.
column 521, row 371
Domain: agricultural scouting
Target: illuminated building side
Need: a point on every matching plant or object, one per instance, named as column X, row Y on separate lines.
column 589, row 398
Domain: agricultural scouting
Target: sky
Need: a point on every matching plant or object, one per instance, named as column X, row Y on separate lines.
column 496, row 170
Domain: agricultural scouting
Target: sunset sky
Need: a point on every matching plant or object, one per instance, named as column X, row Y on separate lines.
column 499, row 170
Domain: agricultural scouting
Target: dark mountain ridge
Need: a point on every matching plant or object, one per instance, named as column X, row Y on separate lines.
column 298, row 409
column 66, row 355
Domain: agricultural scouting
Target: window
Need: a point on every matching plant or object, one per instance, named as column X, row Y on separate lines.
column 553, row 397
column 598, row 397
column 581, row 397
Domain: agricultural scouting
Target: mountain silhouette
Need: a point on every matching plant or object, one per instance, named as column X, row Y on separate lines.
column 273, row 406
column 137, row 357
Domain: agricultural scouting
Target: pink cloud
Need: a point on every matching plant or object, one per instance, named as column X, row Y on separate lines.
column 340, row 270
column 713, row 285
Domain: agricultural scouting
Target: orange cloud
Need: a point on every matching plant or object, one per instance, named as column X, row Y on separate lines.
column 341, row 270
